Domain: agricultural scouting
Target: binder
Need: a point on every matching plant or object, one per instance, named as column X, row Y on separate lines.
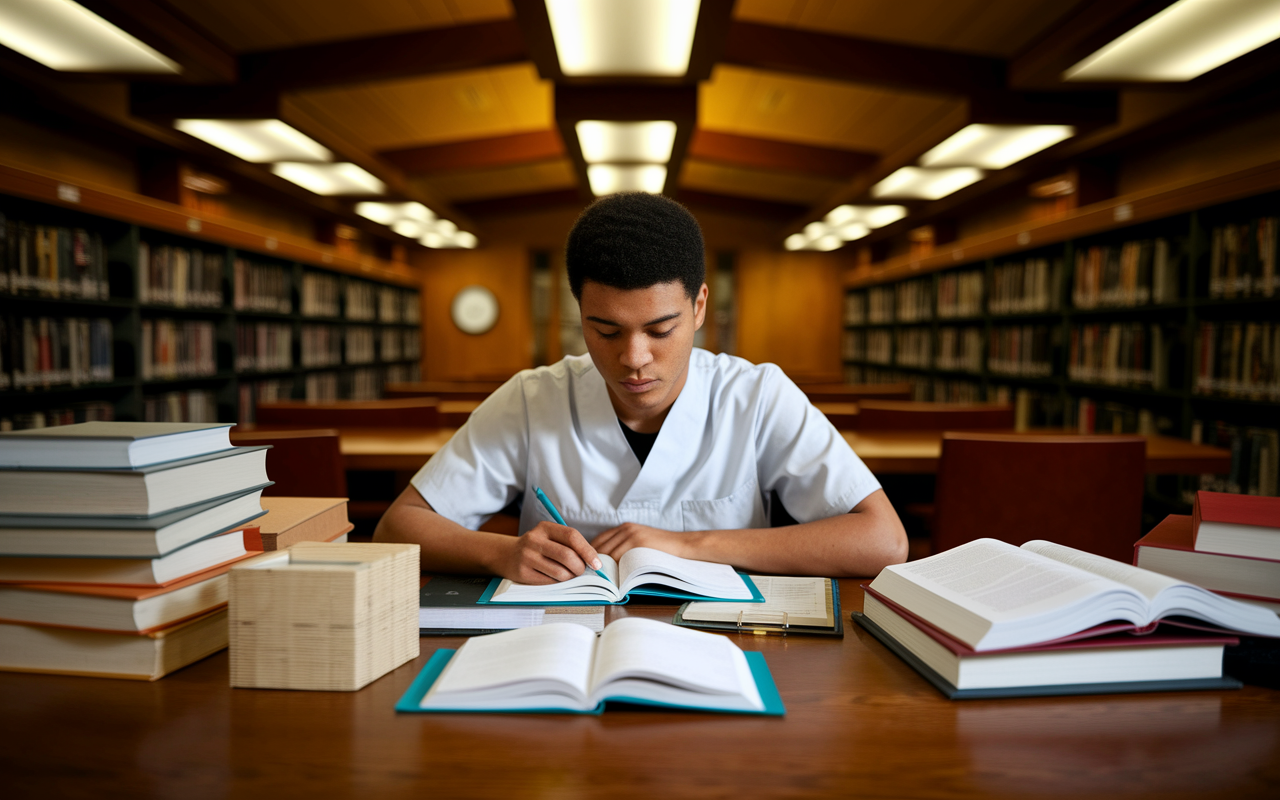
column 762, row 622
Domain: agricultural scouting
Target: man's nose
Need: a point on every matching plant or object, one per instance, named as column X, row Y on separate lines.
column 636, row 354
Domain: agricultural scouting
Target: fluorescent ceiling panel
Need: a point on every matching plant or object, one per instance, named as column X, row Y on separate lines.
column 67, row 37
column 623, row 37
column 926, row 184
column 261, row 141
column 795, row 241
column 330, row 179
column 645, row 142
column 409, row 228
column 1184, row 41
column 870, row 216
column 994, row 146
column 391, row 213
column 437, row 240
column 851, row 231
column 610, row 178
column 828, row 242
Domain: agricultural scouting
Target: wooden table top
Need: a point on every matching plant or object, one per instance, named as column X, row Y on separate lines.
column 859, row 722
column 885, row 452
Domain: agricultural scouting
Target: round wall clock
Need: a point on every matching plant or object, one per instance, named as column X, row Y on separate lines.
column 474, row 309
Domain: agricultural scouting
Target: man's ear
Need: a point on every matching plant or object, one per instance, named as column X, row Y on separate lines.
column 700, row 307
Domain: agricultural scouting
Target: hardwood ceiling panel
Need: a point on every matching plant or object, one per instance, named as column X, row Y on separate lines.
column 249, row 25
column 982, row 27
column 476, row 104
column 465, row 186
column 812, row 111
column 789, row 187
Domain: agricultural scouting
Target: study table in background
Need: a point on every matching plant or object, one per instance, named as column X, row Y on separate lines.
column 859, row 722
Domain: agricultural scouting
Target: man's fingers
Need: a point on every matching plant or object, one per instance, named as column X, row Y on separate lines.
column 553, row 569
column 575, row 540
column 565, row 556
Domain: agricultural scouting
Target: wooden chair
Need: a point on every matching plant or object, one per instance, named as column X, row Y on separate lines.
column 444, row 390
column 304, row 463
column 889, row 415
column 1081, row 491
column 852, row 393
column 842, row 415
column 418, row 412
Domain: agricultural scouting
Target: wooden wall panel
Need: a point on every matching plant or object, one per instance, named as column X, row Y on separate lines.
column 448, row 354
column 39, row 147
column 789, row 307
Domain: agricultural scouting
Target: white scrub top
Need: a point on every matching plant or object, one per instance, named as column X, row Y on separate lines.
column 736, row 433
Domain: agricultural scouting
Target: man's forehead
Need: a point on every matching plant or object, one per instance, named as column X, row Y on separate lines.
column 633, row 306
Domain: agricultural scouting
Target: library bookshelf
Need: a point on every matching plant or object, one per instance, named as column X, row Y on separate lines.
column 1153, row 313
column 114, row 305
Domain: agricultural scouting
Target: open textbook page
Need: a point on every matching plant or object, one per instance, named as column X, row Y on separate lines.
column 992, row 595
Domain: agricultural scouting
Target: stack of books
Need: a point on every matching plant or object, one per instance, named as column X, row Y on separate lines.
column 1230, row 545
column 115, row 540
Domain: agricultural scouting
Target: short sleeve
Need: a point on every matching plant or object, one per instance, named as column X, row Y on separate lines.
column 482, row 468
column 801, row 455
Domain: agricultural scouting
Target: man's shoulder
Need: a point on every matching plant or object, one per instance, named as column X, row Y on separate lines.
column 552, row 377
column 731, row 372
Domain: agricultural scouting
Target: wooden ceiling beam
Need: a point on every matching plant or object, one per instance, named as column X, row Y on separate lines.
column 737, row 205
column 754, row 153
column 864, row 61
column 519, row 204
column 379, row 58
column 497, row 151
column 203, row 58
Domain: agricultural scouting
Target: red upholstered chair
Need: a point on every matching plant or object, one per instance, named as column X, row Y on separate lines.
column 418, row 412
column 1081, row 491
column 305, row 463
column 892, row 415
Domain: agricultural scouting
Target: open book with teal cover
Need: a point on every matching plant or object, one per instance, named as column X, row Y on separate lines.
column 640, row 571
column 566, row 669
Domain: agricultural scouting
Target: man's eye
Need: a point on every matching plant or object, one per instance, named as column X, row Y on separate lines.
column 603, row 335
column 663, row 334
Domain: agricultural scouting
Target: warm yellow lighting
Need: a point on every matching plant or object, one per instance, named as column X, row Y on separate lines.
column 829, row 242
column 647, row 142
column 926, row 184
column 408, row 228
column 330, row 179
column 391, row 213
column 258, row 140
column 446, row 228
column 623, row 37
column 795, row 241
column 432, row 239
column 1183, row 41
column 851, row 231
column 610, row 178
column 451, row 238
column 870, row 216
column 815, row 230
column 466, row 239
column 994, row 146
column 67, row 37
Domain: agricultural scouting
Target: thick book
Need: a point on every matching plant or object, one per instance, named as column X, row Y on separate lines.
column 103, row 654
column 566, row 668
column 1170, row 550
column 119, row 537
column 145, row 491
column 1237, row 524
column 290, row 520
column 110, row 445
column 196, row 557
column 1110, row 663
column 991, row 595
column 640, row 571
column 791, row 605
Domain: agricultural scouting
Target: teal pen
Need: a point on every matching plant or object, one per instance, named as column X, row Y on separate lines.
column 555, row 515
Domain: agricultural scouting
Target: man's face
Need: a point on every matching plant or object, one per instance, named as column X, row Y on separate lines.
column 640, row 341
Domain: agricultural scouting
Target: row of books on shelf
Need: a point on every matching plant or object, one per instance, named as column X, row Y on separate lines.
column 1024, row 287
column 1131, row 274
column 1238, row 359
column 960, row 294
column 37, row 352
column 250, row 393
column 192, row 405
column 52, row 261
column 262, row 287
column 1021, row 350
column 264, row 346
column 179, row 276
column 104, row 573
column 320, row 295
column 89, row 411
column 1120, row 354
column 1242, row 260
column 178, row 349
column 1255, row 457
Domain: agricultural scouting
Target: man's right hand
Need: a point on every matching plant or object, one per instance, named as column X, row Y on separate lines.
column 548, row 553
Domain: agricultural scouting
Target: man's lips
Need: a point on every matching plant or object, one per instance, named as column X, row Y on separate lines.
column 639, row 385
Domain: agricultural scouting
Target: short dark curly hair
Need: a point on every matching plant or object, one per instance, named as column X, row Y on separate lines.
column 634, row 240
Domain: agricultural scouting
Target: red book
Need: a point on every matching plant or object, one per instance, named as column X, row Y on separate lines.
column 1170, row 550
column 1237, row 524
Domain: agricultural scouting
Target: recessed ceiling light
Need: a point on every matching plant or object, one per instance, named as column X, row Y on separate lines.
column 1183, row 41
column 852, row 231
column 815, row 230
column 610, row 178
column 871, row 216
column 466, row 239
column 795, row 241
column 390, row 213
column 261, row 141
column 330, row 179
column 994, row 146
column 648, row 142
column 623, row 37
column 926, row 184
column 828, row 242
column 408, row 228
column 68, row 37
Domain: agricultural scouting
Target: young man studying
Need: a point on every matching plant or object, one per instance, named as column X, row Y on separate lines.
column 646, row 441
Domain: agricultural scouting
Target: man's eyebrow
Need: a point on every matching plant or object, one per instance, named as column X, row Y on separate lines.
column 658, row 321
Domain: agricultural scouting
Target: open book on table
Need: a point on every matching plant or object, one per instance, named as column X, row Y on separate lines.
column 640, row 571
column 991, row 595
column 566, row 668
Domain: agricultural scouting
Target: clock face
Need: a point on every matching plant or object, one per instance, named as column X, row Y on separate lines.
column 474, row 309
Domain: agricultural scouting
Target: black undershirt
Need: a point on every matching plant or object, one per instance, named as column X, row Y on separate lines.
column 641, row 443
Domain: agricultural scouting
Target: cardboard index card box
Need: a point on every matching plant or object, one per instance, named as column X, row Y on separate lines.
column 326, row 616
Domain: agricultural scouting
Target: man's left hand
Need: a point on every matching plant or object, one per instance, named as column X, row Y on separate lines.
column 617, row 541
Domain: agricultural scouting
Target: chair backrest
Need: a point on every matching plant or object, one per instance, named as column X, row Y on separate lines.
column 305, row 463
column 444, row 390
column 1082, row 491
column 842, row 415
column 850, row 392
column 416, row 412
column 891, row 415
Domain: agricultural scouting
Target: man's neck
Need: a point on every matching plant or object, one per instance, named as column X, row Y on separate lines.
column 650, row 422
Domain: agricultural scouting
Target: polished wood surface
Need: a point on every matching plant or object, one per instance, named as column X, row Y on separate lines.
column 859, row 722
column 911, row 415
column 788, row 306
column 305, row 463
